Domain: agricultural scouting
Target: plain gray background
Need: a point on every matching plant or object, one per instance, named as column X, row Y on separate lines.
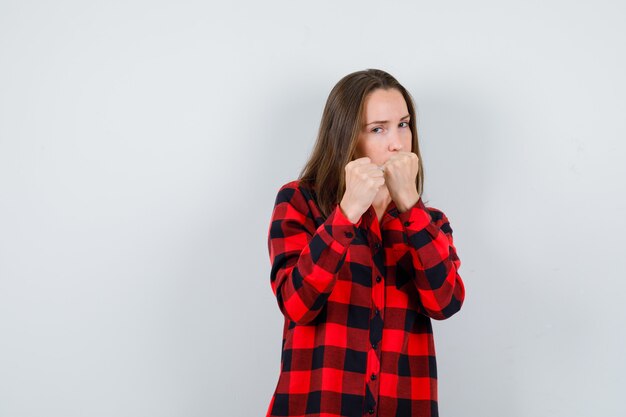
column 142, row 144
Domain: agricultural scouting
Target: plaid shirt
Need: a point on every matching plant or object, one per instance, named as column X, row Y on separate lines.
column 357, row 301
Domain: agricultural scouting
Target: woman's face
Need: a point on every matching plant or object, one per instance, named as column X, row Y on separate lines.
column 386, row 127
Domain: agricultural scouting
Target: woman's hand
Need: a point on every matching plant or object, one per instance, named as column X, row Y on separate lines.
column 400, row 173
column 363, row 180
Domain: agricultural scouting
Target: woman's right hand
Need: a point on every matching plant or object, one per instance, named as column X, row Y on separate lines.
column 363, row 181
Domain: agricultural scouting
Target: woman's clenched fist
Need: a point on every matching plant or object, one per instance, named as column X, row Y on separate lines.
column 363, row 181
column 400, row 174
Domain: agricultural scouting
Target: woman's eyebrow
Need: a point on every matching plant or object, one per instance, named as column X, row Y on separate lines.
column 382, row 122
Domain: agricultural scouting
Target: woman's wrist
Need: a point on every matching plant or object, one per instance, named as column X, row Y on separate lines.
column 349, row 212
column 405, row 202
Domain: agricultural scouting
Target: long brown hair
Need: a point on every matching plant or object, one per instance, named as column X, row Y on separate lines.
column 338, row 135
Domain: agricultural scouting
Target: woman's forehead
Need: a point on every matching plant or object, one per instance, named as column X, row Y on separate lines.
column 385, row 105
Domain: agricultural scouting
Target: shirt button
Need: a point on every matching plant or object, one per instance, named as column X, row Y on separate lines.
column 377, row 246
column 374, row 345
column 407, row 224
column 378, row 279
column 371, row 411
column 377, row 312
column 373, row 377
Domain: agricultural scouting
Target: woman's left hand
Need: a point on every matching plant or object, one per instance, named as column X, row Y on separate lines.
column 400, row 173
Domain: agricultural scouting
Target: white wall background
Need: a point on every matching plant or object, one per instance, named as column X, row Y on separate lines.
column 142, row 144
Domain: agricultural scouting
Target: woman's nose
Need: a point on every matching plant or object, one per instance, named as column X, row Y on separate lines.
column 395, row 144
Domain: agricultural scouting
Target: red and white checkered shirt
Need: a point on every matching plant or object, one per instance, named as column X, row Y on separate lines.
column 357, row 301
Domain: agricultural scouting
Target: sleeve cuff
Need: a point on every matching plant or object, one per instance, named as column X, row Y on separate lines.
column 416, row 218
column 340, row 227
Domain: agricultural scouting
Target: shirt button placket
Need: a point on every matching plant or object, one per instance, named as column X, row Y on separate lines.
column 376, row 330
column 376, row 327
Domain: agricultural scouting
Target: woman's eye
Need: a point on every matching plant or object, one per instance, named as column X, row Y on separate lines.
column 377, row 129
column 404, row 124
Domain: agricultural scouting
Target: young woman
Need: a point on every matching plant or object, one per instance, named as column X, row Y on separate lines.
column 360, row 265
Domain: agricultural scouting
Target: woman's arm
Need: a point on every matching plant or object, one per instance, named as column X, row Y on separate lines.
column 305, row 259
column 435, row 261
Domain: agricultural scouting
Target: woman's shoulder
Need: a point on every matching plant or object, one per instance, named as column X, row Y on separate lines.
column 435, row 213
column 438, row 217
column 299, row 197
column 291, row 185
column 296, row 189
